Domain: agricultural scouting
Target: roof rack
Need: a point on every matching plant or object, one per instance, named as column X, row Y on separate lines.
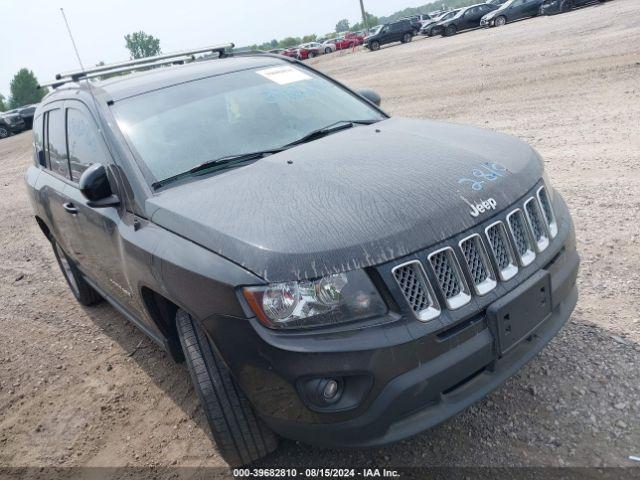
column 130, row 65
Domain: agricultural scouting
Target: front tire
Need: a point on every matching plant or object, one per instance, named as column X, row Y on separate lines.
column 375, row 46
column 241, row 437
column 4, row 132
column 450, row 30
column 407, row 38
column 328, row 50
column 84, row 293
column 500, row 21
column 567, row 6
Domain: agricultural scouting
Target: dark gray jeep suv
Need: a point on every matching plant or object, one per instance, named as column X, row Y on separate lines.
column 330, row 274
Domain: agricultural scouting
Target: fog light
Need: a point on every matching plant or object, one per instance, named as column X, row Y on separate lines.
column 330, row 390
column 323, row 392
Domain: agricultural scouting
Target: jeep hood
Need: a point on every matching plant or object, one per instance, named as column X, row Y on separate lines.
column 353, row 199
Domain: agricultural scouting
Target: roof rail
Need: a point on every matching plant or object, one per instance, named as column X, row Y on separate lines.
column 76, row 74
column 121, row 67
column 177, row 60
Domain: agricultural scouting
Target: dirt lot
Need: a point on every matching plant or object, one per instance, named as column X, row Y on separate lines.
column 83, row 387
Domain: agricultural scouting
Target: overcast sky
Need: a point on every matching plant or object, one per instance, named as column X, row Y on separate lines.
column 33, row 35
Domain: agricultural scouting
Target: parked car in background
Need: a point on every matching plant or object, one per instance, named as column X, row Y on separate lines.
column 511, row 10
column 550, row 7
column 417, row 24
column 329, row 45
column 26, row 113
column 466, row 18
column 434, row 27
column 290, row 52
column 10, row 123
column 343, row 43
column 314, row 49
column 356, row 37
column 400, row 31
column 422, row 19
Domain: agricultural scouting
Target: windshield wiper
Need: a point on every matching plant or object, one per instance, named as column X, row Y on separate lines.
column 222, row 162
column 329, row 129
column 231, row 160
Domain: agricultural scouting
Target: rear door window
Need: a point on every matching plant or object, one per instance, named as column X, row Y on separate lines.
column 56, row 143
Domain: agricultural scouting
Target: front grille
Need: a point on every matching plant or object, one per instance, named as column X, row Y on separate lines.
column 478, row 264
column 449, row 276
column 445, row 273
column 416, row 290
column 521, row 237
column 547, row 211
column 477, row 268
column 536, row 224
column 501, row 249
column 480, row 260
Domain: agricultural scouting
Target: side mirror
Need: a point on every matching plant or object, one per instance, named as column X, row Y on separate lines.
column 94, row 185
column 372, row 96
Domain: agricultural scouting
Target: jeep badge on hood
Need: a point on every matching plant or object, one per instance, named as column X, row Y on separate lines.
column 481, row 207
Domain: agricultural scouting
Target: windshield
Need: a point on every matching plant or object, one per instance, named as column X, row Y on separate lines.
column 177, row 128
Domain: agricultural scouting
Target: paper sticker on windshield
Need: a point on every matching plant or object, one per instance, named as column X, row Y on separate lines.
column 284, row 75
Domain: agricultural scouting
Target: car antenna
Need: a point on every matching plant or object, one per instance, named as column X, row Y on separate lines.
column 136, row 223
column 73, row 42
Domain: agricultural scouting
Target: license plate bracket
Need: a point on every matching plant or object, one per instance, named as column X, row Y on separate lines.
column 514, row 317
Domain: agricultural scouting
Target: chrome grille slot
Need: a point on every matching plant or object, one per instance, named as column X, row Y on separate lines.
column 521, row 237
column 450, row 279
column 478, row 264
column 501, row 250
column 417, row 291
column 547, row 211
column 536, row 224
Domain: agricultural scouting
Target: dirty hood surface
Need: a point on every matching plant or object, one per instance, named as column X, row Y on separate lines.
column 354, row 199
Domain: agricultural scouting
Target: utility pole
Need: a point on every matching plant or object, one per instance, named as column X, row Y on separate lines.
column 364, row 15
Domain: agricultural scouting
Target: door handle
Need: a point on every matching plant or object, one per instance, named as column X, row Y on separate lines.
column 70, row 208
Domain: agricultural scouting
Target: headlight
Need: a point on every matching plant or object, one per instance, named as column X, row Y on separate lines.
column 333, row 299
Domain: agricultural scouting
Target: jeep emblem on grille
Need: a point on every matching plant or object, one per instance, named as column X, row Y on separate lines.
column 481, row 207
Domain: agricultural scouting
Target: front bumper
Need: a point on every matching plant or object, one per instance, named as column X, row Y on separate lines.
column 487, row 22
column 410, row 375
column 432, row 393
column 17, row 127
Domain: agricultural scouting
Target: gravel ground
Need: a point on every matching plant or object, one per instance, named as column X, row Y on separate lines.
column 83, row 387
